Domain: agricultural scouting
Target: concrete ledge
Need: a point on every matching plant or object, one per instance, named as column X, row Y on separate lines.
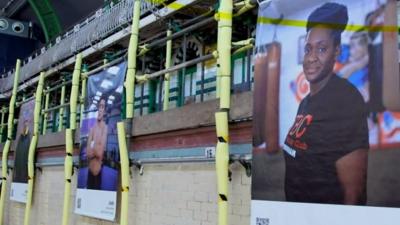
column 191, row 116
column 186, row 117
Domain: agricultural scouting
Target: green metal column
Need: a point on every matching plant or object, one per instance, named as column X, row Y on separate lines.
column 47, row 17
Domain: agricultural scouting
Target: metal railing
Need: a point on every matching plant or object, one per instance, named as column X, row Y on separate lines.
column 86, row 34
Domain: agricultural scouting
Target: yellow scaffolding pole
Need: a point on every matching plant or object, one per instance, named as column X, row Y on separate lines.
column 61, row 110
column 123, row 151
column 74, row 91
column 69, row 138
column 68, row 167
column 32, row 147
column 167, row 75
column 132, row 55
column 224, row 17
column 6, row 149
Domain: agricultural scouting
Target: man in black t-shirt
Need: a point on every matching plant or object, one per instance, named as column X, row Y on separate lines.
column 326, row 148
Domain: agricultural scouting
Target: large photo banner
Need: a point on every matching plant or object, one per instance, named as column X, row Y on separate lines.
column 19, row 185
column 98, row 178
column 324, row 144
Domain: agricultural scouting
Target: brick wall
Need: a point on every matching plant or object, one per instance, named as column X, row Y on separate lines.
column 167, row 194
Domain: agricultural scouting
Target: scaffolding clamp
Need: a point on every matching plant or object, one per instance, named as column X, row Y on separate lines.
column 143, row 49
column 215, row 54
column 243, row 7
column 142, row 78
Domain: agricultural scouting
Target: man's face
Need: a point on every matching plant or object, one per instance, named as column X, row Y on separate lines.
column 101, row 109
column 319, row 54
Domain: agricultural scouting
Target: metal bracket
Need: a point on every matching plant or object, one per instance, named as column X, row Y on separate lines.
column 244, row 160
column 137, row 164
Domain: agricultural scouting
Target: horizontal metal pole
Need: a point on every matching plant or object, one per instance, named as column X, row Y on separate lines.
column 174, row 160
column 98, row 69
column 25, row 101
column 58, row 86
column 48, row 164
column 181, row 66
column 101, row 62
column 232, row 158
column 55, row 108
column 112, row 39
column 180, row 33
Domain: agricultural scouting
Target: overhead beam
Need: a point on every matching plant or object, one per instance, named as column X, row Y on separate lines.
column 12, row 7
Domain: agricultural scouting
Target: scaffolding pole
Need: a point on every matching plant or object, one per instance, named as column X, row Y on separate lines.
column 6, row 149
column 167, row 75
column 61, row 110
column 224, row 17
column 32, row 147
column 132, row 57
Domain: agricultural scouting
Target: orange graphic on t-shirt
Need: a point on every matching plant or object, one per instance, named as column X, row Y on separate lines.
column 300, row 125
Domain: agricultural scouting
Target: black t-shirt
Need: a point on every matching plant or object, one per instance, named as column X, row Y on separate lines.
column 328, row 125
column 21, row 159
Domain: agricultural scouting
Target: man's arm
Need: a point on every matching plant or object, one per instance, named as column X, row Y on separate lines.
column 352, row 174
column 100, row 147
column 89, row 149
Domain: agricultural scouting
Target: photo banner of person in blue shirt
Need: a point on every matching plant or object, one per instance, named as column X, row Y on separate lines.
column 98, row 174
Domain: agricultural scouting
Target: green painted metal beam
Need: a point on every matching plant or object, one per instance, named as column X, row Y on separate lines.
column 47, row 17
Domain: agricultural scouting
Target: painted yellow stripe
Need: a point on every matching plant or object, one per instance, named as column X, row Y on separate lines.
column 175, row 5
column 224, row 15
column 303, row 23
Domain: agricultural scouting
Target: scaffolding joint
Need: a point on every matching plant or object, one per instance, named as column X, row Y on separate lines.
column 143, row 49
column 243, row 7
column 142, row 78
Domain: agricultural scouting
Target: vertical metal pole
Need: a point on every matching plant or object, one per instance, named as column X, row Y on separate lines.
column 68, row 167
column 167, row 75
column 46, row 114
column 132, row 55
column 83, row 94
column 202, row 75
column 32, row 147
column 3, row 114
column 61, row 110
column 10, row 124
column 224, row 17
column 69, row 138
column 183, row 71
column 123, row 150
column 74, row 91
